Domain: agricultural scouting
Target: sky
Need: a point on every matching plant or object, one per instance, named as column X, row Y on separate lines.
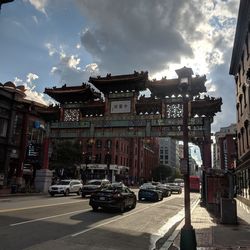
column 46, row 43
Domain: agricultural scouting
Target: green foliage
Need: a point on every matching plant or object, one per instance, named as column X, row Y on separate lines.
column 67, row 154
column 162, row 172
column 177, row 174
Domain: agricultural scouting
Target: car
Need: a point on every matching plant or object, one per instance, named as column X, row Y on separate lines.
column 149, row 192
column 175, row 188
column 166, row 190
column 93, row 186
column 66, row 187
column 114, row 196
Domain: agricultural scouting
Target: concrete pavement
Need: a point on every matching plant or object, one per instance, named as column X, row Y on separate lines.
column 211, row 234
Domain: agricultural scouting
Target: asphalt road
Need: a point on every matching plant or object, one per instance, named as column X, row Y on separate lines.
column 44, row 222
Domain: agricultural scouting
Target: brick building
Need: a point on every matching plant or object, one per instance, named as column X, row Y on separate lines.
column 240, row 69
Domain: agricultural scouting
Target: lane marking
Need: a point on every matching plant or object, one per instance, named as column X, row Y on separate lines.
column 120, row 217
column 40, row 206
column 49, row 217
column 53, row 216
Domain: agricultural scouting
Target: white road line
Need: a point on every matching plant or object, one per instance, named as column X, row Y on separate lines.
column 49, row 217
column 40, row 206
column 119, row 218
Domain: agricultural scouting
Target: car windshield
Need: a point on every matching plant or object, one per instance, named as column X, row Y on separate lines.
column 162, row 185
column 64, row 182
column 148, row 186
column 94, row 182
column 173, row 184
column 115, row 186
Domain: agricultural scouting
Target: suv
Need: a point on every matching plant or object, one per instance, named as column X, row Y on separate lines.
column 66, row 187
column 93, row 186
column 175, row 188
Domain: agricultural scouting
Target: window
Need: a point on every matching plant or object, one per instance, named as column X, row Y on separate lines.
column 242, row 63
column 244, row 94
column 3, row 127
column 99, row 144
column 247, row 45
column 108, row 144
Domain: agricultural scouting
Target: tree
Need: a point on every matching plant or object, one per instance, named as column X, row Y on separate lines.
column 162, row 172
column 67, row 154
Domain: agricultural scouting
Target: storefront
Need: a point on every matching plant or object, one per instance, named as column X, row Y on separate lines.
column 100, row 171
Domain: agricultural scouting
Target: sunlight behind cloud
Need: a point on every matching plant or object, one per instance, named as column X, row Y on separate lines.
column 39, row 5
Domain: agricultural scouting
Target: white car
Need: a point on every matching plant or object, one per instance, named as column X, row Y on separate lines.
column 66, row 187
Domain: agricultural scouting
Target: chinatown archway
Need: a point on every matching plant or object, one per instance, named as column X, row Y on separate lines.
column 84, row 113
column 175, row 109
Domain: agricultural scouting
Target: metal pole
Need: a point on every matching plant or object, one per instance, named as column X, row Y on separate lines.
column 186, row 157
column 187, row 240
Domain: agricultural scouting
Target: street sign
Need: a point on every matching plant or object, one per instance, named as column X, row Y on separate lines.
column 183, row 166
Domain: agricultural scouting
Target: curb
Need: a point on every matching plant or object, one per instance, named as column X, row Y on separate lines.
column 175, row 230
column 20, row 195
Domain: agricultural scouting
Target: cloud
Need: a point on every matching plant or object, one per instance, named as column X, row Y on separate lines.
column 39, row 5
column 147, row 35
column 68, row 67
column 30, row 86
column 162, row 36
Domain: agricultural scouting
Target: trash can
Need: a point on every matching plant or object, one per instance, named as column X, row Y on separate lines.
column 228, row 211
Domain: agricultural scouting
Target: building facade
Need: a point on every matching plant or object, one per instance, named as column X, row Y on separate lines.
column 225, row 148
column 21, row 137
column 169, row 152
column 240, row 69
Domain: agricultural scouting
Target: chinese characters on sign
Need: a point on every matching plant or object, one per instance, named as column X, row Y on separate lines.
column 120, row 107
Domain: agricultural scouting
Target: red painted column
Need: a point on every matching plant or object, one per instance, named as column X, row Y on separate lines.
column 207, row 153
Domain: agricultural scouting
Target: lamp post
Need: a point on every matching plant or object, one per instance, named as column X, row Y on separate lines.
column 188, row 239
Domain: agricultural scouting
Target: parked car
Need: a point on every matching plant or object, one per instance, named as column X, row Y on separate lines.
column 175, row 188
column 66, row 187
column 93, row 186
column 166, row 190
column 149, row 192
column 116, row 195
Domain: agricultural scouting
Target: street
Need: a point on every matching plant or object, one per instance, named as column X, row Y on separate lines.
column 43, row 222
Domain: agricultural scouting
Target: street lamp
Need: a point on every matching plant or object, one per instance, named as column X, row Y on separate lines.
column 188, row 239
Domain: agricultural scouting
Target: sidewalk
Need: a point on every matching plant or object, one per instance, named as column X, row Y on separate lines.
column 4, row 193
column 212, row 235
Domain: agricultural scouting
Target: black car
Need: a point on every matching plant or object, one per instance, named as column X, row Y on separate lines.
column 149, row 192
column 93, row 186
column 166, row 190
column 116, row 195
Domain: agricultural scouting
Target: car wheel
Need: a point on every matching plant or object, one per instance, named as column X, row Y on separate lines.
column 95, row 208
column 134, row 204
column 52, row 195
column 66, row 192
column 122, row 207
column 79, row 192
column 161, row 197
column 156, row 198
